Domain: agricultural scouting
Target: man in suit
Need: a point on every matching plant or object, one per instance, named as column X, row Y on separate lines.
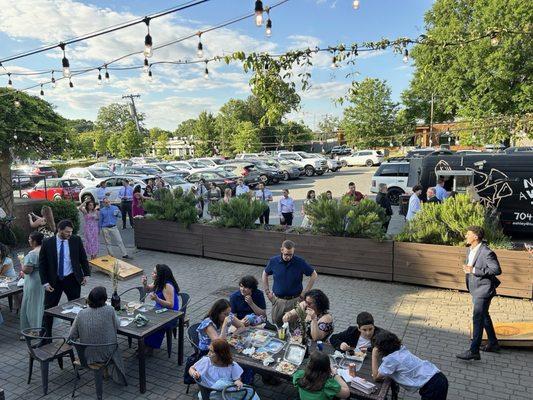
column 63, row 267
column 431, row 196
column 481, row 269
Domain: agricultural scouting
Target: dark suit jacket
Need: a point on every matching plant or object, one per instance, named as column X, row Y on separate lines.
column 483, row 282
column 383, row 200
column 48, row 260
column 350, row 336
column 433, row 199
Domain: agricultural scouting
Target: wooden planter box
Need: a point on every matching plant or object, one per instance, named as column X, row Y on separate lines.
column 441, row 266
column 168, row 236
column 349, row 257
column 244, row 246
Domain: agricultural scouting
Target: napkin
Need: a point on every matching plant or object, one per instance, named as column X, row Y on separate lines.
column 20, row 283
column 345, row 375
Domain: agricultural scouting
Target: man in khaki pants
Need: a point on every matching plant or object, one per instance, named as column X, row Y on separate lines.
column 109, row 214
column 287, row 287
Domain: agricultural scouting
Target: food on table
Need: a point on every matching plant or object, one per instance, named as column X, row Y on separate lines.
column 286, row 367
column 296, row 339
column 235, row 339
column 260, row 356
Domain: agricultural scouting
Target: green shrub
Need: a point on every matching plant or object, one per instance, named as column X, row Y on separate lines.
column 340, row 218
column 173, row 206
column 63, row 209
column 240, row 212
column 446, row 224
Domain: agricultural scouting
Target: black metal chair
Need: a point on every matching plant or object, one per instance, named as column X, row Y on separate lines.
column 228, row 393
column 142, row 297
column 55, row 349
column 194, row 340
column 97, row 367
column 184, row 301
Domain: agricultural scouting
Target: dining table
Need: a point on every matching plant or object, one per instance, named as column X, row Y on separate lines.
column 9, row 289
column 156, row 321
column 365, row 371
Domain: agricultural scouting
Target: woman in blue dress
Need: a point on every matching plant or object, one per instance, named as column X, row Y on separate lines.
column 164, row 291
column 6, row 263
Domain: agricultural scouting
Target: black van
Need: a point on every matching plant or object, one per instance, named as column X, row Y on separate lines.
column 501, row 181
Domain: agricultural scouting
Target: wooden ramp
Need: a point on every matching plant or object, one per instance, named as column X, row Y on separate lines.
column 105, row 264
column 513, row 334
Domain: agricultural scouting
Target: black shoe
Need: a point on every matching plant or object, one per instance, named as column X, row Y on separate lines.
column 468, row 355
column 126, row 256
column 491, row 348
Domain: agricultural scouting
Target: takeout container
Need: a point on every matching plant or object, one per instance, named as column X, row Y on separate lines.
column 295, row 353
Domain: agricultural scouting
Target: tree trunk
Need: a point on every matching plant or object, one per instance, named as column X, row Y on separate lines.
column 6, row 187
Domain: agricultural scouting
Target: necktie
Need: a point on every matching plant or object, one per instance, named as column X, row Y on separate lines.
column 60, row 267
column 263, row 195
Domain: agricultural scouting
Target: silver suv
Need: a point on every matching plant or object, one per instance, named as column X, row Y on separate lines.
column 311, row 163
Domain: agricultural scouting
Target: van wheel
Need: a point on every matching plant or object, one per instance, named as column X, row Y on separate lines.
column 286, row 176
column 394, row 195
column 309, row 171
column 369, row 163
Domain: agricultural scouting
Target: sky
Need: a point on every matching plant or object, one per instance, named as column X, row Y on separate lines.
column 180, row 92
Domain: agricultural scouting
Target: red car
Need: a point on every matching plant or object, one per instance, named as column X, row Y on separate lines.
column 43, row 170
column 56, row 189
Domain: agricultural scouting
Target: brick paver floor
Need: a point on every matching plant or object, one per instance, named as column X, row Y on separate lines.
column 432, row 323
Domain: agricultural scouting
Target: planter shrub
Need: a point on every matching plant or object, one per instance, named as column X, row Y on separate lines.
column 175, row 205
column 240, row 212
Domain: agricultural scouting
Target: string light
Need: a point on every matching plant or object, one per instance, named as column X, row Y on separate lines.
column 15, row 136
column 9, row 81
column 53, row 80
column 106, row 75
column 99, row 76
column 494, row 39
column 65, row 63
column 268, row 30
column 355, row 4
column 200, row 51
column 206, row 73
column 17, row 102
column 405, row 56
column 70, row 83
column 40, row 138
column 42, row 91
column 148, row 51
column 67, row 141
column 150, row 75
column 334, row 62
column 146, row 66
column 259, row 13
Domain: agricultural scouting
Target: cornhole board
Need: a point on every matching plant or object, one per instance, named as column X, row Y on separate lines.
column 512, row 334
column 105, row 264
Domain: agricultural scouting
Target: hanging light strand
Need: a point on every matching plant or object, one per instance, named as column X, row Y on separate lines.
column 268, row 30
column 148, row 52
column 259, row 13
column 200, row 47
column 206, row 72
column 65, row 63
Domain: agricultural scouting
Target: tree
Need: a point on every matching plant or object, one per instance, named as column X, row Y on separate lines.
column 293, row 133
column 114, row 117
column 185, row 129
column 132, row 142
column 20, row 129
column 487, row 78
column 247, row 138
column 80, row 125
column 205, row 135
column 370, row 119
column 113, row 143
column 100, row 141
column 329, row 125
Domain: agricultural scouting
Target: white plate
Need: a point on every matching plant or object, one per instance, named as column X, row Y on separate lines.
column 125, row 321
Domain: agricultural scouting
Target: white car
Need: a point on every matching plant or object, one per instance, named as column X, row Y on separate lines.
column 395, row 175
column 191, row 165
column 363, row 157
column 246, row 156
column 311, row 163
column 88, row 176
column 333, row 165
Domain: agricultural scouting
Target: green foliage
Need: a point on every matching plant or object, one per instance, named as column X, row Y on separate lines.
column 114, row 117
column 63, row 209
column 246, row 138
column 174, row 205
column 340, row 218
column 205, row 135
column 240, row 212
column 131, row 141
column 370, row 115
column 446, row 224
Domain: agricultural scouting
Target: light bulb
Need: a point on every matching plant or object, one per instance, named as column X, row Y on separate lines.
column 334, row 62
column 259, row 13
column 150, row 75
column 53, row 80
column 494, row 39
column 17, row 103
column 42, row 91
column 67, row 141
column 40, row 138
column 66, row 67
column 9, row 82
column 148, row 51
column 406, row 56
column 391, row 144
column 355, row 4
column 146, row 66
column 70, row 83
column 15, row 137
column 200, row 51
column 268, row 31
column 107, row 78
column 99, row 77
column 206, row 73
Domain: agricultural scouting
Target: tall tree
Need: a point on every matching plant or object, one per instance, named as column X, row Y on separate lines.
column 132, row 142
column 370, row 118
column 20, row 129
column 185, row 129
column 293, row 133
column 246, row 138
column 114, row 117
column 481, row 79
column 100, row 141
column 206, row 139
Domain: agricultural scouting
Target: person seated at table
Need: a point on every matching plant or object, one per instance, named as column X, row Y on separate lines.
column 216, row 324
column 164, row 291
column 319, row 381
column 6, row 263
column 217, row 370
column 318, row 320
column 98, row 324
column 248, row 303
column 409, row 371
column 359, row 336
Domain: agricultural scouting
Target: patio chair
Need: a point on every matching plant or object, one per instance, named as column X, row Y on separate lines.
column 55, row 349
column 228, row 393
column 184, row 301
column 192, row 337
column 97, row 368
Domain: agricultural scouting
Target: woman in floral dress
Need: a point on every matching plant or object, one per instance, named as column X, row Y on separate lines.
column 90, row 229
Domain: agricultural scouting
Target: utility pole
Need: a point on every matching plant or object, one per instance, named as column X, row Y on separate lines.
column 133, row 110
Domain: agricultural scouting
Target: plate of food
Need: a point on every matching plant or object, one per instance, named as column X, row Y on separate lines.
column 260, row 355
column 295, row 353
column 260, row 337
column 273, row 346
column 355, row 355
column 286, row 367
column 125, row 321
column 235, row 340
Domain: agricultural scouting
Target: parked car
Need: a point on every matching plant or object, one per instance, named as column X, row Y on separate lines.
column 88, row 176
column 165, row 166
column 113, row 186
column 190, row 165
column 395, row 174
column 55, row 189
column 311, row 163
column 267, row 173
column 245, row 170
column 289, row 169
column 333, row 164
column 519, row 149
column 340, row 150
column 363, row 157
column 145, row 160
column 41, row 171
column 139, row 170
column 211, row 161
column 20, row 178
column 247, row 156
column 221, row 178
column 176, row 181
column 422, row 152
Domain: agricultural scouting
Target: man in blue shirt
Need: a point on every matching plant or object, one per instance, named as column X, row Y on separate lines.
column 287, row 287
column 126, row 198
column 248, row 303
column 286, row 209
column 108, row 225
column 265, row 195
column 241, row 187
column 440, row 192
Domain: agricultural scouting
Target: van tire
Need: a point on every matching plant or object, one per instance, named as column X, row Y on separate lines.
column 369, row 163
column 286, row 176
column 309, row 170
column 394, row 195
